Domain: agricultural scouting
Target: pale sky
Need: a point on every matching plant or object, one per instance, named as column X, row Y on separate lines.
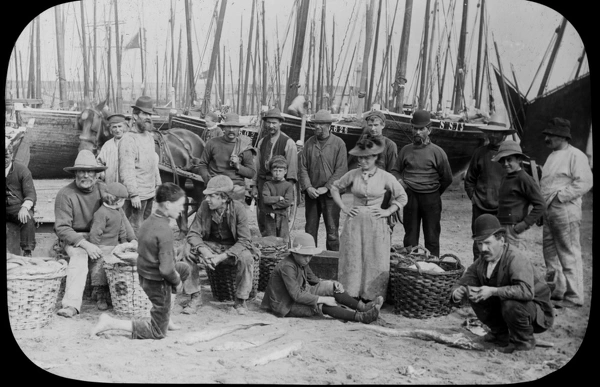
column 522, row 30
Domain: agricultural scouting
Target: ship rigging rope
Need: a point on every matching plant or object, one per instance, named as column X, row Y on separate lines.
column 542, row 62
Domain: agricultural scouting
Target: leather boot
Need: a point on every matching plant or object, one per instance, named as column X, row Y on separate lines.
column 101, row 303
column 362, row 307
column 240, row 306
column 367, row 317
column 194, row 304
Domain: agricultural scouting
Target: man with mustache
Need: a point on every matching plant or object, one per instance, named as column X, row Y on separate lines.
column 424, row 172
column 505, row 290
column 323, row 161
column 109, row 154
column 231, row 155
column 566, row 177
column 483, row 177
column 275, row 143
column 138, row 164
column 74, row 210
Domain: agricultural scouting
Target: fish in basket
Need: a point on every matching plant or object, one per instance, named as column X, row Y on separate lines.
column 421, row 283
column 32, row 289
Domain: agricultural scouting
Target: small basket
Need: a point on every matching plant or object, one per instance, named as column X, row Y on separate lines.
column 222, row 281
column 32, row 298
column 128, row 297
column 423, row 294
column 272, row 249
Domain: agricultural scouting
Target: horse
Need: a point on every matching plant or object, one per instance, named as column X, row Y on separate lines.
column 94, row 128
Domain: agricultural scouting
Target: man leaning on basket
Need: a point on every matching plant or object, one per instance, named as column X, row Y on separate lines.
column 505, row 291
column 74, row 210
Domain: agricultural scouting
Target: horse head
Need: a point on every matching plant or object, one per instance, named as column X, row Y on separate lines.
column 94, row 128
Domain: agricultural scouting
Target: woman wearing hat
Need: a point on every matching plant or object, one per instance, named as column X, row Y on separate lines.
column 364, row 263
column 517, row 192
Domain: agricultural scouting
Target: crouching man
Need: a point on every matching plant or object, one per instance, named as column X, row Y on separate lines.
column 504, row 289
column 295, row 291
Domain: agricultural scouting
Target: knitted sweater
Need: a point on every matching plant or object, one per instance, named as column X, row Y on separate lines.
column 74, row 211
column 215, row 161
column 272, row 190
column 423, row 168
column 110, row 226
column 483, row 177
column 517, row 192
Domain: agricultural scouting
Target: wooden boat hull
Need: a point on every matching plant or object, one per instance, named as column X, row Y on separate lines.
column 198, row 125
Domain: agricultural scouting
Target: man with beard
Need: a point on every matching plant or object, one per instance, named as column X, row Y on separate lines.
column 324, row 160
column 505, row 290
column 231, row 155
column 74, row 210
column 274, row 143
column 424, row 172
column 138, row 164
column 566, row 177
column 483, row 177
column 109, row 154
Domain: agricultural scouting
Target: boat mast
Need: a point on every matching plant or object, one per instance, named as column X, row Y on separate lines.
column 559, row 35
column 213, row 59
column 400, row 78
column 580, row 60
column 245, row 85
column 240, row 63
column 119, row 104
column 264, row 47
column 429, row 82
column 17, row 71
column 172, row 22
column 459, row 78
column 321, row 54
column 31, row 79
column 371, row 82
column 38, row 78
column 365, row 60
column 443, row 80
column 297, row 53
column 86, row 86
column 95, row 78
column 60, row 52
column 190, row 59
column 478, row 75
column 423, row 83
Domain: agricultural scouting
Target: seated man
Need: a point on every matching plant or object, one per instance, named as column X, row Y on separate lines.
column 505, row 291
column 74, row 210
column 295, row 291
column 20, row 199
column 220, row 234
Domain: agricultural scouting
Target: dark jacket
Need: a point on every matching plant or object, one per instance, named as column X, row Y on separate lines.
column 483, row 178
column 19, row 185
column 287, row 285
column 517, row 279
column 320, row 167
column 517, row 192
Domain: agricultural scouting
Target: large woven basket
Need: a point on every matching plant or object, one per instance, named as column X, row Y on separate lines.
column 32, row 298
column 423, row 294
column 128, row 297
column 222, row 281
column 273, row 249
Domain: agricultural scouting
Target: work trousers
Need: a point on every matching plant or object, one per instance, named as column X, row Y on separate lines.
column 277, row 226
column 477, row 212
column 27, row 229
column 77, row 271
column 314, row 208
column 426, row 207
column 137, row 215
column 517, row 318
column 562, row 251
column 159, row 293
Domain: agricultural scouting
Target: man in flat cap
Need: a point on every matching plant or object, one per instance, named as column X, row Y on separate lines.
column 566, row 177
column 505, row 290
column 324, row 160
column 424, row 172
column 138, row 164
column 109, row 154
column 275, row 143
column 375, row 123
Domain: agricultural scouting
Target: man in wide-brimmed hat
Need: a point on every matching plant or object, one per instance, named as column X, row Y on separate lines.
column 518, row 191
column 566, row 177
column 138, row 164
column 232, row 155
column 323, row 161
column 505, row 290
column 74, row 210
column 274, row 143
column 218, row 235
column 424, row 171
column 295, row 291
column 109, row 154
column 483, row 177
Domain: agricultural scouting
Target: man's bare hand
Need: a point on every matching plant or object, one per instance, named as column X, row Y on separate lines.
column 23, row 215
column 91, row 249
column 136, row 202
column 312, row 192
column 460, row 293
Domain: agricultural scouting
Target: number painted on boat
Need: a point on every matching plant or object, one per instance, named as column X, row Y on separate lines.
column 459, row 126
column 339, row 129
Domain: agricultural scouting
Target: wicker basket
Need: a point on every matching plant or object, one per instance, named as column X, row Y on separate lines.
column 423, row 294
column 128, row 297
column 222, row 281
column 32, row 298
column 272, row 249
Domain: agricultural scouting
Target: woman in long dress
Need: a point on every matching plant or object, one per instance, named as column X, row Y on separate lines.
column 364, row 263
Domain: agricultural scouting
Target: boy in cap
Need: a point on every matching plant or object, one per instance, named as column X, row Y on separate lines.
column 277, row 196
column 517, row 192
column 212, row 127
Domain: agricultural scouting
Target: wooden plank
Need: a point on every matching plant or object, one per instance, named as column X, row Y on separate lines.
column 46, row 190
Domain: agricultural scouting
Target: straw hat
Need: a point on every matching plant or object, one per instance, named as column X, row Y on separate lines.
column 145, row 104
column 304, row 244
column 558, row 127
column 507, row 148
column 485, row 226
column 85, row 161
column 322, row 116
column 231, row 119
column 420, row 118
column 273, row 113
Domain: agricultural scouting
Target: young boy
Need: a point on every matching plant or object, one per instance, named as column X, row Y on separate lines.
column 517, row 192
column 158, row 272
column 277, row 197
